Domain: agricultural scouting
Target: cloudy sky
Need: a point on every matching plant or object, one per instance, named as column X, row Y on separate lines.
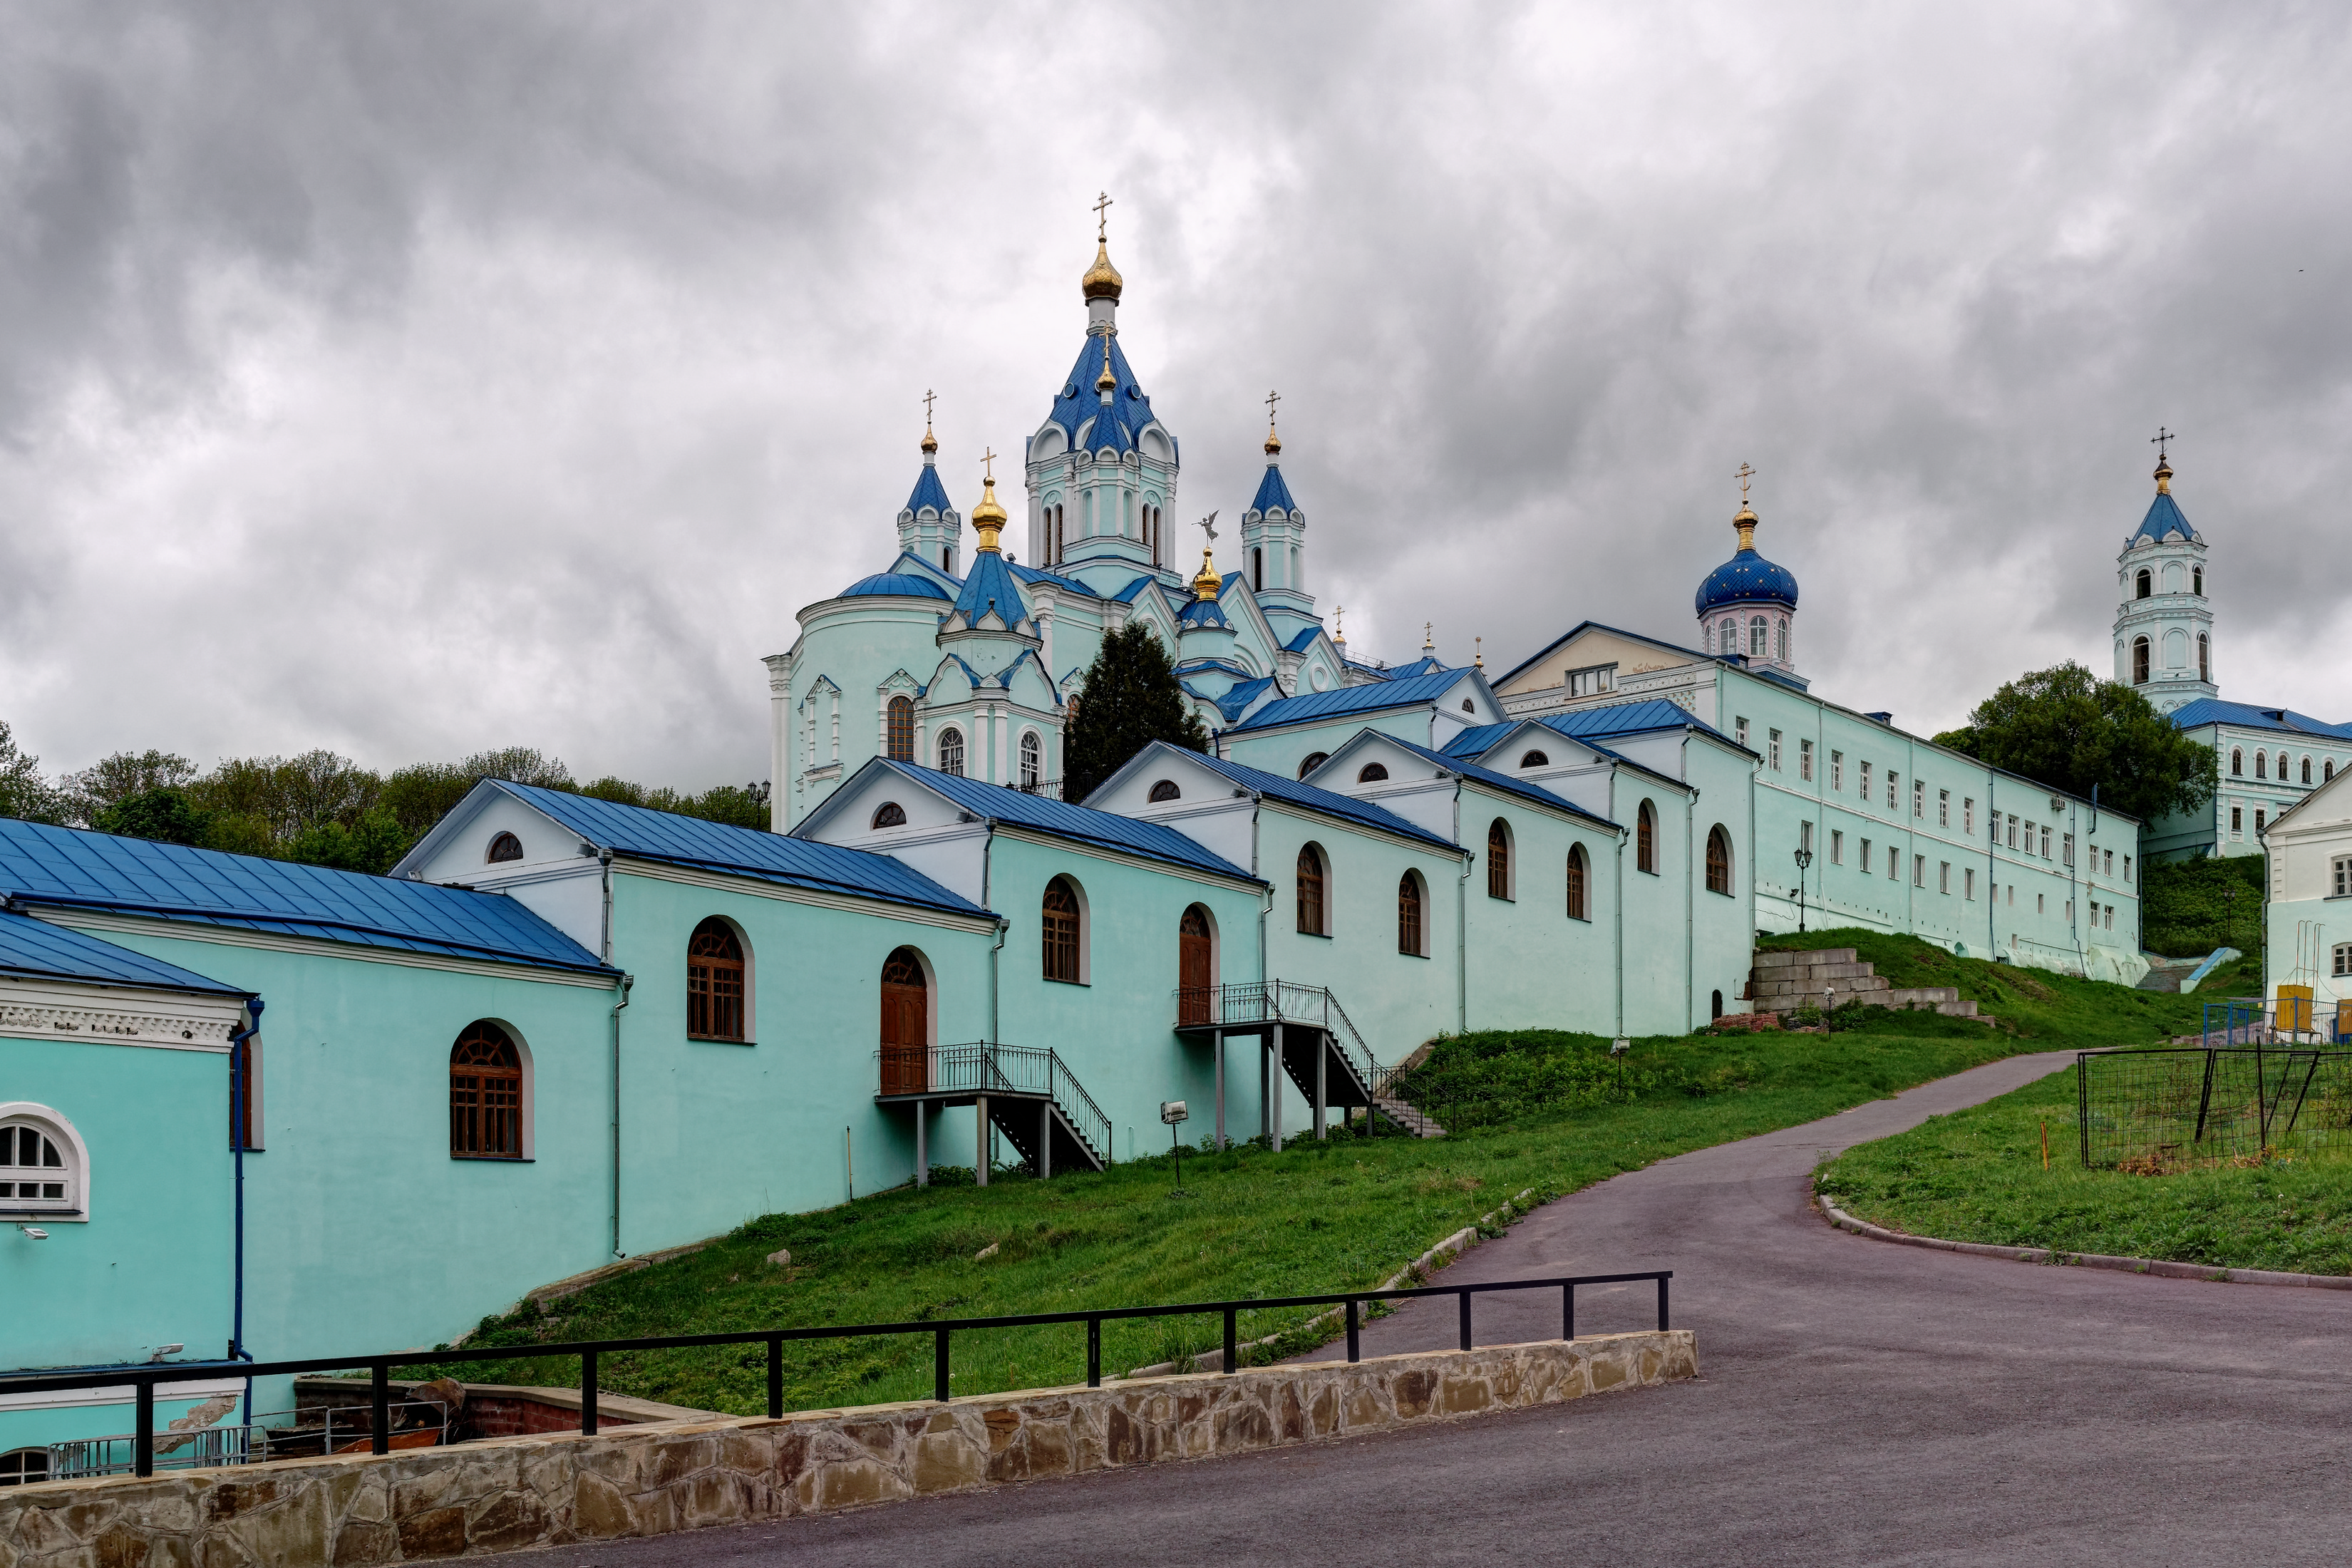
column 411, row 380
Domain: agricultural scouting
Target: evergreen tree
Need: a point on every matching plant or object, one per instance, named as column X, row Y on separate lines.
column 1130, row 700
column 2066, row 728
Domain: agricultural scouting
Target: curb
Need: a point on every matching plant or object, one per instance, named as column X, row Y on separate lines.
column 2160, row 1268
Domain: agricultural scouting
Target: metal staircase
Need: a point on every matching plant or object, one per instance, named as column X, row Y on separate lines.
column 1322, row 1051
column 1032, row 1097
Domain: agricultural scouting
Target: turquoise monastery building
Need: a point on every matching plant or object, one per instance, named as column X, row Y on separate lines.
column 255, row 1109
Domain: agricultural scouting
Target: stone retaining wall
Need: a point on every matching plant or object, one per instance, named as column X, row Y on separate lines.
column 351, row 1510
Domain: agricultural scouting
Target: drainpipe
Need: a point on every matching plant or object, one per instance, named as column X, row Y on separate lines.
column 604, row 865
column 987, row 855
column 1620, row 965
column 1461, row 922
column 1690, row 905
column 1993, row 870
column 626, row 982
column 238, row 1053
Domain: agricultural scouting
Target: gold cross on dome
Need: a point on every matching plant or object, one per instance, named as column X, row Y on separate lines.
column 990, row 459
column 2162, row 438
column 1102, row 219
column 1743, row 476
column 1271, row 399
column 928, row 397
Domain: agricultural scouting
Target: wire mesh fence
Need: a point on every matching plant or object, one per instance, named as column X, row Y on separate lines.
column 2180, row 1108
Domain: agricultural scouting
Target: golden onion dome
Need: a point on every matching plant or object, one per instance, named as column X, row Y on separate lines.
column 1205, row 586
column 1745, row 522
column 1102, row 280
column 2163, row 475
column 988, row 518
column 1273, row 441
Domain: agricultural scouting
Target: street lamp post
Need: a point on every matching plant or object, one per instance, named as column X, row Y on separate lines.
column 1805, row 858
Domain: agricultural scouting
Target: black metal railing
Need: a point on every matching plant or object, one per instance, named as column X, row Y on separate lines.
column 1253, row 1003
column 144, row 1377
column 979, row 1068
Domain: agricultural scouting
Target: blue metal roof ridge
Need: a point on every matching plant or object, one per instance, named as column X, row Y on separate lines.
column 1535, row 794
column 1406, row 692
column 1331, row 803
column 1066, row 819
column 663, row 835
column 30, row 946
column 1272, row 492
column 929, row 492
column 2163, row 516
column 2253, row 716
column 68, row 867
column 1630, row 717
column 1032, row 574
column 1307, row 636
column 991, row 582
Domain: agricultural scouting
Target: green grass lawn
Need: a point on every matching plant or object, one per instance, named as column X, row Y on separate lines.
column 1540, row 1110
column 1978, row 1176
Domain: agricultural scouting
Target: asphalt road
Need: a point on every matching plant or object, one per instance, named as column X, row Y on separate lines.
column 1858, row 1403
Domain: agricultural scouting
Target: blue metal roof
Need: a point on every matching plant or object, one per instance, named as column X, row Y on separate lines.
column 30, row 946
column 1427, row 664
column 1203, row 612
column 1238, row 696
column 992, row 582
column 1117, row 427
column 1504, row 782
column 1628, row 718
column 648, row 834
column 929, row 491
column 1474, row 741
column 901, row 583
column 1331, row 803
column 2287, row 721
column 1746, row 578
column 1134, row 590
column 1403, row 692
column 2164, row 516
column 1272, row 492
column 1305, row 639
column 1064, row 820
column 1069, row 585
column 67, row 868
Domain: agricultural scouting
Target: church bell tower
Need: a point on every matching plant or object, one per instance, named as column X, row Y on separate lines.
column 2164, row 624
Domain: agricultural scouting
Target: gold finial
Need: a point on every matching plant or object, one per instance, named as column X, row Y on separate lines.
column 2160, row 440
column 1480, row 645
column 1105, row 381
column 930, row 442
column 1428, row 642
column 1102, row 280
column 988, row 517
column 1273, row 441
column 1744, row 519
column 1205, row 586
column 1339, row 625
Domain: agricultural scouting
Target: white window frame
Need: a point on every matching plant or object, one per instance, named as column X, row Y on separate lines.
column 75, row 1207
column 2342, row 869
column 1837, row 771
column 1837, row 848
column 1773, row 749
column 1943, row 809
column 1805, row 760
column 1968, row 884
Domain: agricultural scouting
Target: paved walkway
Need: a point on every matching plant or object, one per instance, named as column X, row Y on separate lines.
column 1860, row 1404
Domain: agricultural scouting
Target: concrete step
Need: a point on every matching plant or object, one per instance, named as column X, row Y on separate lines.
column 1857, row 983
column 1816, row 956
column 1815, row 979
column 1918, row 996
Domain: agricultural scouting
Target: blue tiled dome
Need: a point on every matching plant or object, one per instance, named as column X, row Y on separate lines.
column 1746, row 577
column 902, row 585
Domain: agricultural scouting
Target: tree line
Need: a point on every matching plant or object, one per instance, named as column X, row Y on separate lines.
column 319, row 808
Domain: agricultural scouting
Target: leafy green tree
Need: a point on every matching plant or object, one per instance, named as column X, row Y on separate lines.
column 2066, row 728
column 114, row 780
column 373, row 845
column 1130, row 700
column 164, row 814
column 23, row 793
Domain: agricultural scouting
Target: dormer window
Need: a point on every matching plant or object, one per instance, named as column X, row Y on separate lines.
column 1534, row 759
column 1165, row 790
column 1468, row 706
column 505, row 847
column 1371, row 772
column 889, row 814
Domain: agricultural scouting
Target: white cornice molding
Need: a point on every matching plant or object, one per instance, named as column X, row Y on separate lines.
column 111, row 1016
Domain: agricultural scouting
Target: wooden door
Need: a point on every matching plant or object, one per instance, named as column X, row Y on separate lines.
column 906, row 1025
column 1193, row 970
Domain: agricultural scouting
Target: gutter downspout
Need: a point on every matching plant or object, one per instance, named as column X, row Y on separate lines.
column 1992, row 872
column 987, row 857
column 1690, row 904
column 1620, row 965
column 1461, row 921
column 626, row 982
column 237, row 1054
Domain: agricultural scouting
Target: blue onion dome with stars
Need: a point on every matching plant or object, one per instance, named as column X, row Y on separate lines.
column 1747, row 578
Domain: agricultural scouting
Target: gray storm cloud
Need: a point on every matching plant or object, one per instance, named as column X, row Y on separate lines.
column 415, row 380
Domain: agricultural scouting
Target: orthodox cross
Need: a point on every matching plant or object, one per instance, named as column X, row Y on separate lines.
column 1743, row 476
column 1271, row 399
column 1208, row 525
column 1102, row 219
column 928, row 397
column 1339, row 623
column 990, row 459
column 1427, row 641
column 2161, row 439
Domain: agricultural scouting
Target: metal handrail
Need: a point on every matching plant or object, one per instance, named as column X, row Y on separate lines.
column 379, row 1367
column 981, row 1066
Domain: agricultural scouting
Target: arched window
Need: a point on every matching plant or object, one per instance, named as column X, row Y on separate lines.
column 1310, row 891
column 2306, row 770
column 2262, row 765
column 1718, row 861
column 1371, row 772
column 1534, row 759
column 2197, row 581
column 952, row 751
column 2204, row 657
column 23, row 1466
column 1314, row 759
column 1061, row 931
column 889, row 814
column 714, row 982
column 2144, row 585
column 2139, row 660
column 947, row 559
column 1781, row 636
column 1032, row 761
column 900, row 731
column 905, row 1024
column 505, row 847
column 1409, row 920
column 1755, row 636
column 2328, row 773
column 1646, row 839
column 485, row 1094
column 1580, row 907
column 2282, row 767
column 2237, row 762
column 1498, row 859
column 1196, row 969
column 1165, row 789
column 40, row 1168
